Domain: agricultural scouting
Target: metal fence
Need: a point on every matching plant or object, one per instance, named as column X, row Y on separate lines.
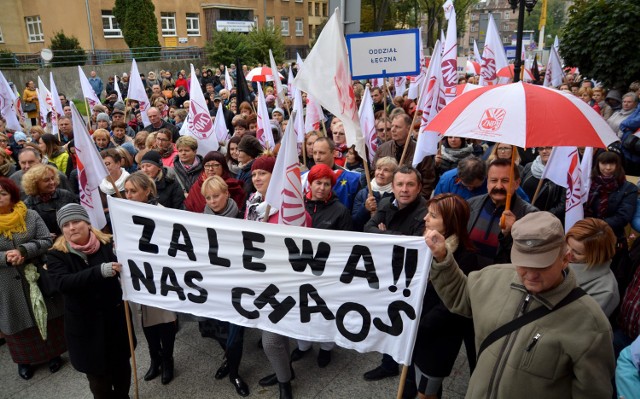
column 99, row 57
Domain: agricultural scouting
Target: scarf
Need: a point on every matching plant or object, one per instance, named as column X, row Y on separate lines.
column 106, row 186
column 601, row 189
column 166, row 153
column 195, row 163
column 38, row 305
column 455, row 154
column 230, row 211
column 341, row 150
column 376, row 188
column 256, row 208
column 119, row 141
column 14, row 222
column 90, row 248
column 537, row 168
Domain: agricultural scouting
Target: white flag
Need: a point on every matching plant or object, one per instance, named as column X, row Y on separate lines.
column 8, row 105
column 377, row 82
column 57, row 104
column 327, row 78
column 493, row 56
column 220, row 125
column 91, row 170
column 563, row 168
column 277, row 84
column 116, row 87
column 585, row 167
column 199, row 124
column 299, row 61
column 137, row 92
column 290, row 83
column 297, row 119
column 449, row 64
column 264, row 133
column 87, row 90
column 400, row 85
column 554, row 75
column 228, row 83
column 46, row 106
column 556, row 43
column 368, row 124
column 415, row 82
column 476, row 53
column 314, row 115
column 285, row 190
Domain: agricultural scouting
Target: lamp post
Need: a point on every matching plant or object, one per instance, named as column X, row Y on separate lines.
column 523, row 4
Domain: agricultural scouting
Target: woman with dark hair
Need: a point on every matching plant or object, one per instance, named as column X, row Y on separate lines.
column 232, row 156
column 31, row 321
column 452, row 151
column 551, row 197
column 53, row 152
column 441, row 332
column 214, row 165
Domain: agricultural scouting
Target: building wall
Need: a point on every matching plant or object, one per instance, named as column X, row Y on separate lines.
column 318, row 12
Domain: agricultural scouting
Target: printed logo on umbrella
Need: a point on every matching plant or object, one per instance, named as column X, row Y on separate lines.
column 492, row 119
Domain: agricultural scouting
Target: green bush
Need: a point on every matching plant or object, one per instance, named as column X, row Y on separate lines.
column 7, row 59
column 66, row 50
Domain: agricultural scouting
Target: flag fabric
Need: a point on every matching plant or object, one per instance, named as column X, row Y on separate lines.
column 563, row 168
column 46, row 106
column 585, row 168
column 220, row 126
column 87, row 90
column 449, row 64
column 116, row 87
column 556, row 43
column 9, row 103
column 493, row 56
column 242, row 89
column 314, row 115
column 377, row 82
column 290, row 83
column 299, row 61
column 285, row 189
column 277, row 83
column 91, row 171
column 137, row 92
column 263, row 132
column 554, row 75
column 535, row 71
column 228, row 83
column 400, row 85
column 199, row 123
column 57, row 104
column 327, row 78
column 297, row 119
column 416, row 81
column 368, row 124
column 438, row 97
column 476, row 53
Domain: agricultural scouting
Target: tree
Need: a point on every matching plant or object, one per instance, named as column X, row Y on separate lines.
column 266, row 38
column 556, row 18
column 224, row 47
column 600, row 38
column 139, row 26
column 66, row 50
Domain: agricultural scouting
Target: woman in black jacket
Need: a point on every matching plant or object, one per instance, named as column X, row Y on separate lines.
column 170, row 194
column 326, row 210
column 441, row 332
column 84, row 269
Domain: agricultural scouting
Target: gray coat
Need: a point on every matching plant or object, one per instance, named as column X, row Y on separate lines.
column 15, row 307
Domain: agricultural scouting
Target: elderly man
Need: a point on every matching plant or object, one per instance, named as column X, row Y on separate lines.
column 66, row 129
column 157, row 123
column 467, row 180
column 561, row 344
column 96, row 84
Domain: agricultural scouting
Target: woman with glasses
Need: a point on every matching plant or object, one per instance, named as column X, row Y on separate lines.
column 551, row 197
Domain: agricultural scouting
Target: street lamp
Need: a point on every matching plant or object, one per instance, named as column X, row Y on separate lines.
column 528, row 5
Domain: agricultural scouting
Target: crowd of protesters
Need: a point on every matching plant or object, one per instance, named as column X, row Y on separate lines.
column 457, row 197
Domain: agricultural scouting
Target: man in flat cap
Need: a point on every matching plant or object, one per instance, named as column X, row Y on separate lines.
column 565, row 351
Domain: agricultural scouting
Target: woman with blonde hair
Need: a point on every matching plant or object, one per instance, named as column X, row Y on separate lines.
column 36, row 132
column 102, row 139
column 592, row 245
column 7, row 164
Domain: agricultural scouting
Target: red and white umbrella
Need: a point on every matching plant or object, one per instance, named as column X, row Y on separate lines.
column 261, row 74
column 472, row 68
column 523, row 115
column 465, row 87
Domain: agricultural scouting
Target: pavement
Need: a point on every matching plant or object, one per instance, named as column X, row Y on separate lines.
column 197, row 359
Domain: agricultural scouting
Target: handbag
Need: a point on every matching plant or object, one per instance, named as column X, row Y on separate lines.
column 29, row 107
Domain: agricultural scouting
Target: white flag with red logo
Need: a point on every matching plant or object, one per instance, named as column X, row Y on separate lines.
column 297, row 119
column 314, row 115
column 326, row 77
column 377, row 82
column 437, row 91
column 476, row 53
column 415, row 82
column 137, row 92
column 199, row 123
column 400, row 85
column 368, row 124
column 116, row 87
column 277, row 84
column 228, row 82
column 264, row 133
column 563, row 168
column 493, row 56
column 91, row 170
column 449, row 64
column 57, row 104
column 9, row 102
column 46, row 106
column 220, row 125
column 554, row 75
column 285, row 190
column 87, row 90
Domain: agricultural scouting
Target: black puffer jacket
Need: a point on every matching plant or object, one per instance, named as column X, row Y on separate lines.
column 408, row 221
column 47, row 210
column 170, row 194
column 329, row 215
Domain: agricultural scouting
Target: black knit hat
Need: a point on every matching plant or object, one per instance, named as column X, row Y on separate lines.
column 250, row 146
column 152, row 157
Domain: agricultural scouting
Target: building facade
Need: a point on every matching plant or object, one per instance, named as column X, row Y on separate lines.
column 318, row 13
column 27, row 26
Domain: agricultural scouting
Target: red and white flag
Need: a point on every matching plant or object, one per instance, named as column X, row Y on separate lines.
column 9, row 103
column 277, row 84
column 368, row 124
column 327, row 78
column 314, row 115
column 290, row 83
column 87, row 90
column 415, row 82
column 377, row 82
column 400, row 85
column 297, row 119
column 91, row 170
column 46, row 106
column 493, row 56
column 199, row 123
column 554, row 75
column 476, row 53
column 563, row 168
column 116, row 87
column 137, row 92
column 585, row 167
column 220, row 125
column 264, row 133
column 285, row 190
column 449, row 64
column 57, row 104
column 228, row 82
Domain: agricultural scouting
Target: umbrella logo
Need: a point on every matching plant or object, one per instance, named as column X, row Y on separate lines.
column 492, row 119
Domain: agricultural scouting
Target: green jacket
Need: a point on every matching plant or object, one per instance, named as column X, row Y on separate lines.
column 572, row 357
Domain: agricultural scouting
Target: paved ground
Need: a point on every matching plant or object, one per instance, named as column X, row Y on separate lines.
column 197, row 359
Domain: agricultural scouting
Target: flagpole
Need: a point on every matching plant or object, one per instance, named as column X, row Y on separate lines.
column 127, row 316
column 511, row 176
column 86, row 107
column 537, row 192
column 404, row 150
column 384, row 100
column 403, row 378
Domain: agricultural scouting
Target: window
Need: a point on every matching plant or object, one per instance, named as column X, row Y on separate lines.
column 299, row 27
column 505, row 27
column 271, row 22
column 475, row 17
column 34, row 29
column 318, row 10
column 193, row 24
column 168, row 22
column 309, row 9
column 284, row 26
column 1, row 36
column 325, row 9
column 110, row 27
column 506, row 40
column 474, row 28
column 507, row 15
column 298, row 1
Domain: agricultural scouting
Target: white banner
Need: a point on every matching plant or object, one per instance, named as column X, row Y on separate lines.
column 362, row 291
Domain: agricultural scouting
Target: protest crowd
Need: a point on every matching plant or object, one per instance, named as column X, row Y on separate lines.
column 454, row 198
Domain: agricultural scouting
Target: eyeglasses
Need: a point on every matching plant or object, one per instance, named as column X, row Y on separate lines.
column 161, row 139
column 212, row 166
column 544, row 149
column 504, row 149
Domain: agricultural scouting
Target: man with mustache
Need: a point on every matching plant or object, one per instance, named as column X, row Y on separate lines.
column 493, row 242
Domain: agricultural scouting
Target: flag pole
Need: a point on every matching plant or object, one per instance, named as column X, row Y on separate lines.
column 127, row 316
column 535, row 195
column 384, row 99
column 86, row 107
column 511, row 176
column 404, row 150
column 403, row 379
